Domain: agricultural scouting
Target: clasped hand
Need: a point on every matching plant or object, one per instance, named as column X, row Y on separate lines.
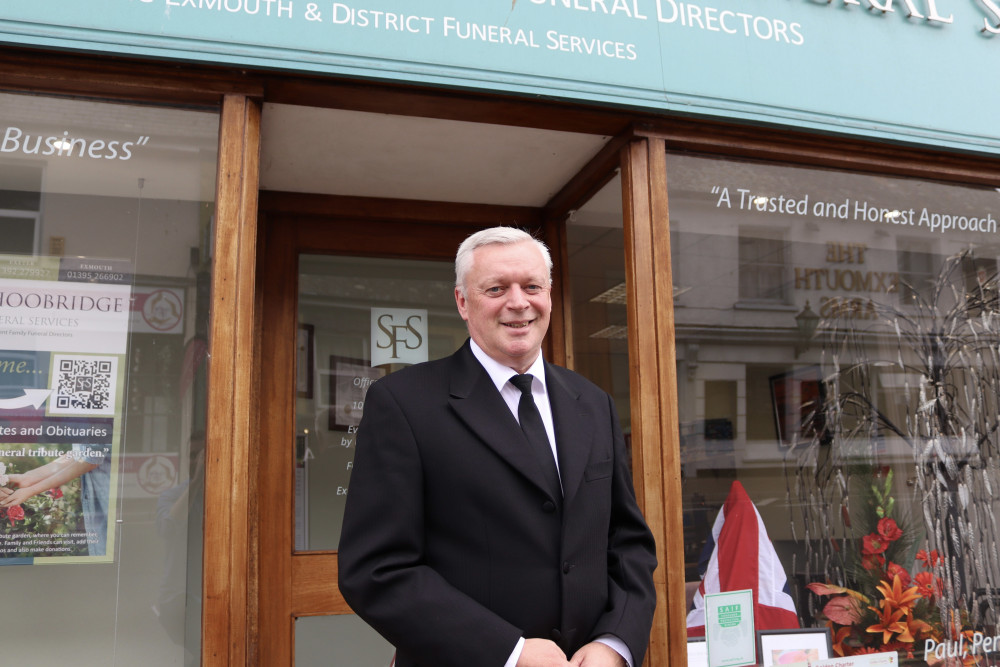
column 544, row 653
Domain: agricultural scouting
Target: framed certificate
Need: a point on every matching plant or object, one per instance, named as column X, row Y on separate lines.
column 729, row 629
column 782, row 647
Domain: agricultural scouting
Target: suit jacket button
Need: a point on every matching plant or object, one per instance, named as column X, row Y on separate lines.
column 555, row 635
column 566, row 568
column 548, row 507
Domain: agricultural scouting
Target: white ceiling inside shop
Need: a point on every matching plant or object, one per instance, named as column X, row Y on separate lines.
column 336, row 152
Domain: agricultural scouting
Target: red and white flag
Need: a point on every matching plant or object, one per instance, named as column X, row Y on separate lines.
column 743, row 557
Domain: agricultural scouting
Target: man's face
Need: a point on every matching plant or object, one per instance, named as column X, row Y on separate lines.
column 507, row 302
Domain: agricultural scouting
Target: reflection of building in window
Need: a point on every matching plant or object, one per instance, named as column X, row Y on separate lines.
column 154, row 395
column 980, row 277
column 763, row 266
column 20, row 202
column 917, row 270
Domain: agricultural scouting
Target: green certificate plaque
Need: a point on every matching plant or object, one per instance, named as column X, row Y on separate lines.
column 729, row 631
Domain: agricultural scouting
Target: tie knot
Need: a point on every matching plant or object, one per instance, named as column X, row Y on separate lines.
column 523, row 382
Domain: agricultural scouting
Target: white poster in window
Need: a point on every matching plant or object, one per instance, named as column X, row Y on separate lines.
column 883, row 659
column 398, row 336
column 64, row 326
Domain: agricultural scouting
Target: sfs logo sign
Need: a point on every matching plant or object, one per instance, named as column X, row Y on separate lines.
column 399, row 336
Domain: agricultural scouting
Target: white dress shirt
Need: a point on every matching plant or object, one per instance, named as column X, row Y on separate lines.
column 501, row 376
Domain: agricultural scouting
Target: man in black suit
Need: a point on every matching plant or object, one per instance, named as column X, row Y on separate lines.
column 472, row 541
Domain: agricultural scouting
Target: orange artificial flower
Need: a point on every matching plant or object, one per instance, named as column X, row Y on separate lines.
column 956, row 622
column 896, row 597
column 889, row 623
column 838, row 640
column 914, row 628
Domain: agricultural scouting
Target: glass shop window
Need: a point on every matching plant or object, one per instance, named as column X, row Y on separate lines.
column 105, row 258
column 853, row 408
column 596, row 264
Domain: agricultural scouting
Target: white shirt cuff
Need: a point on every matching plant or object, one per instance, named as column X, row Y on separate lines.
column 618, row 645
column 516, row 654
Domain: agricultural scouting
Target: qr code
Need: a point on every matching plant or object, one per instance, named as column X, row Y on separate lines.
column 84, row 385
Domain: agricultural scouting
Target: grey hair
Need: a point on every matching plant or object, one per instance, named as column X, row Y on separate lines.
column 491, row 236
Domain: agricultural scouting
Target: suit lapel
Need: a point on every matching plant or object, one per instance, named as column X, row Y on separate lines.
column 574, row 429
column 479, row 405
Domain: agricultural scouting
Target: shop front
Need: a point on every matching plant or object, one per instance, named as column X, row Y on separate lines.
column 223, row 220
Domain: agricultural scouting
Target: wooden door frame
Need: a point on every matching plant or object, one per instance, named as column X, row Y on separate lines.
column 653, row 385
column 291, row 584
column 229, row 591
column 293, row 223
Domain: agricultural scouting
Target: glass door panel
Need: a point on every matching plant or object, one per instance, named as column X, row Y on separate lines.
column 359, row 318
column 332, row 641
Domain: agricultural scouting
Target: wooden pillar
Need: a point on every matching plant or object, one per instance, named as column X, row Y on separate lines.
column 653, row 377
column 229, row 580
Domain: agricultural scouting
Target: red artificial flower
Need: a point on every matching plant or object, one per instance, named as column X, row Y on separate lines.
column 15, row 513
column 871, row 562
column 929, row 559
column 843, row 610
column 55, row 493
column 819, row 588
column 888, row 530
column 898, row 646
column 896, row 570
column 873, row 544
column 927, row 584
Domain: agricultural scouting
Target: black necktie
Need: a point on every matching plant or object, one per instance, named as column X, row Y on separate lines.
column 534, row 431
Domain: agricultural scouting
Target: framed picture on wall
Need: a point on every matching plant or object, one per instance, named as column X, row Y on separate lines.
column 782, row 647
column 797, row 399
column 349, row 382
column 304, row 362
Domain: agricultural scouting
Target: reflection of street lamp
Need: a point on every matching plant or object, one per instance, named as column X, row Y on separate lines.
column 806, row 322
